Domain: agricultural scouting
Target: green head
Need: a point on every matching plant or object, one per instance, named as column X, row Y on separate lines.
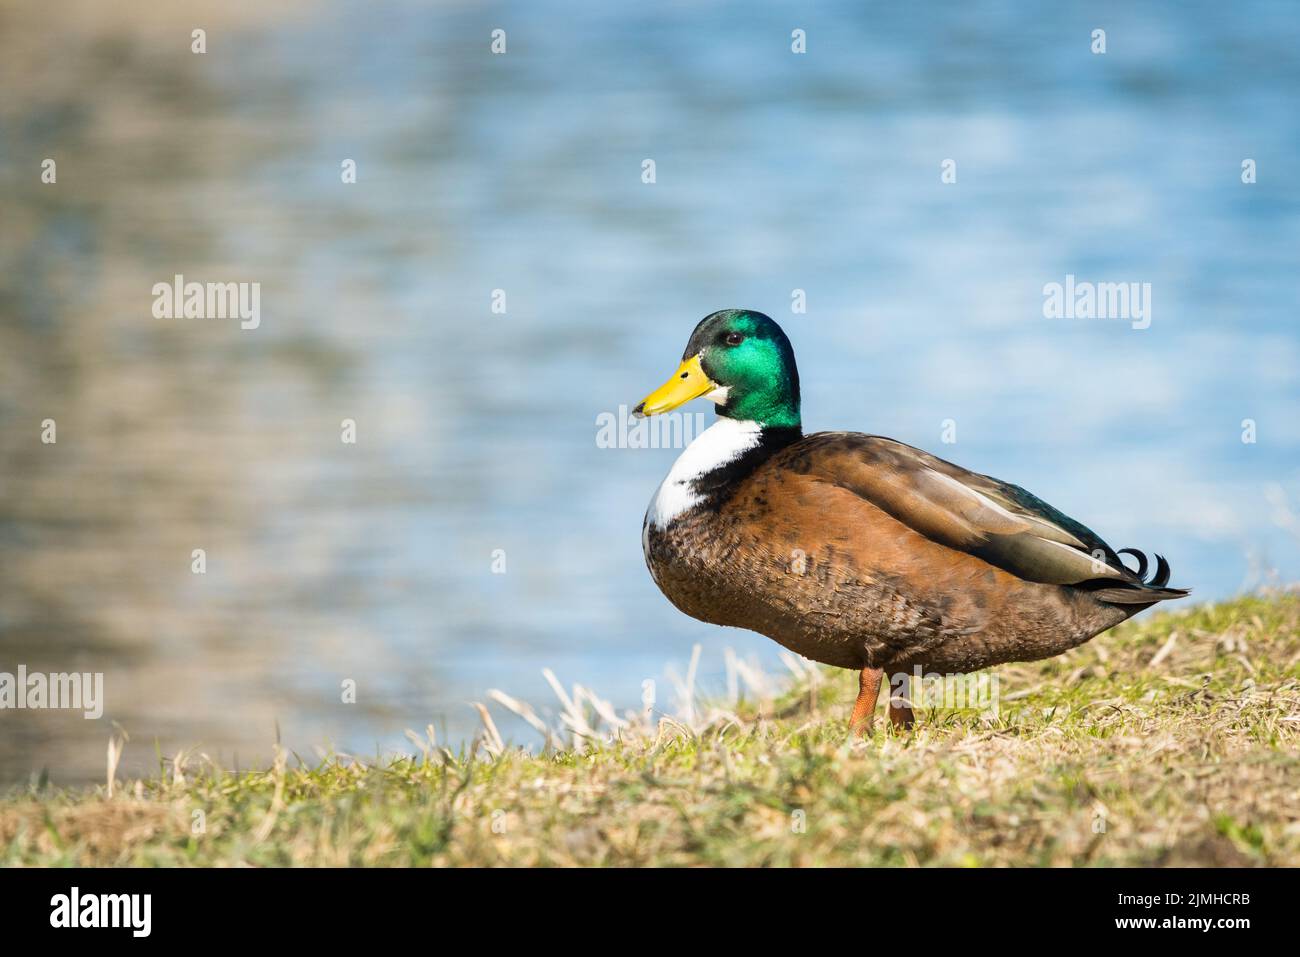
column 742, row 360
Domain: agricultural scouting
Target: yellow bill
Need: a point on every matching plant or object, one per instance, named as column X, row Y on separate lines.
column 688, row 382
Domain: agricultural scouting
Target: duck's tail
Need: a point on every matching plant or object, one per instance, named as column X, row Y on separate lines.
column 1140, row 590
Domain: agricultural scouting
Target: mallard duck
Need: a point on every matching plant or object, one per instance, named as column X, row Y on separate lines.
column 859, row 551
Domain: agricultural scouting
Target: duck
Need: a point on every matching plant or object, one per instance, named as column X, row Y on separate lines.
column 859, row 551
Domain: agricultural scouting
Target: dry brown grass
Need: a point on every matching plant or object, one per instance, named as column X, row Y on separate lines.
column 1171, row 741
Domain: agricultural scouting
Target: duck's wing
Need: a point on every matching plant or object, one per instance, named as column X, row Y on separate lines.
column 996, row 521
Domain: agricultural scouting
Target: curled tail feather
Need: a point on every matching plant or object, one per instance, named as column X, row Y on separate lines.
column 1140, row 590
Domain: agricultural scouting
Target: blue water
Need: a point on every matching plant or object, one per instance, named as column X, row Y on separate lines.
column 774, row 172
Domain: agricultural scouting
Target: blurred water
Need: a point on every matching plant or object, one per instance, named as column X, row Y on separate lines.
column 477, row 431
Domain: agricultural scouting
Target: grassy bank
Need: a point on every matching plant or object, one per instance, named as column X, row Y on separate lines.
column 1172, row 740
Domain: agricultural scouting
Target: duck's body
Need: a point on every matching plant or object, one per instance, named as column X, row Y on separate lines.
column 797, row 549
column 861, row 552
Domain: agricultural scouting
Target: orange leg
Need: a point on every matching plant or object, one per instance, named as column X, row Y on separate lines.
column 868, row 691
column 900, row 716
column 900, row 710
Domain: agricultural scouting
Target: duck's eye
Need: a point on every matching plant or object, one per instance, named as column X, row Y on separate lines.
column 734, row 338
